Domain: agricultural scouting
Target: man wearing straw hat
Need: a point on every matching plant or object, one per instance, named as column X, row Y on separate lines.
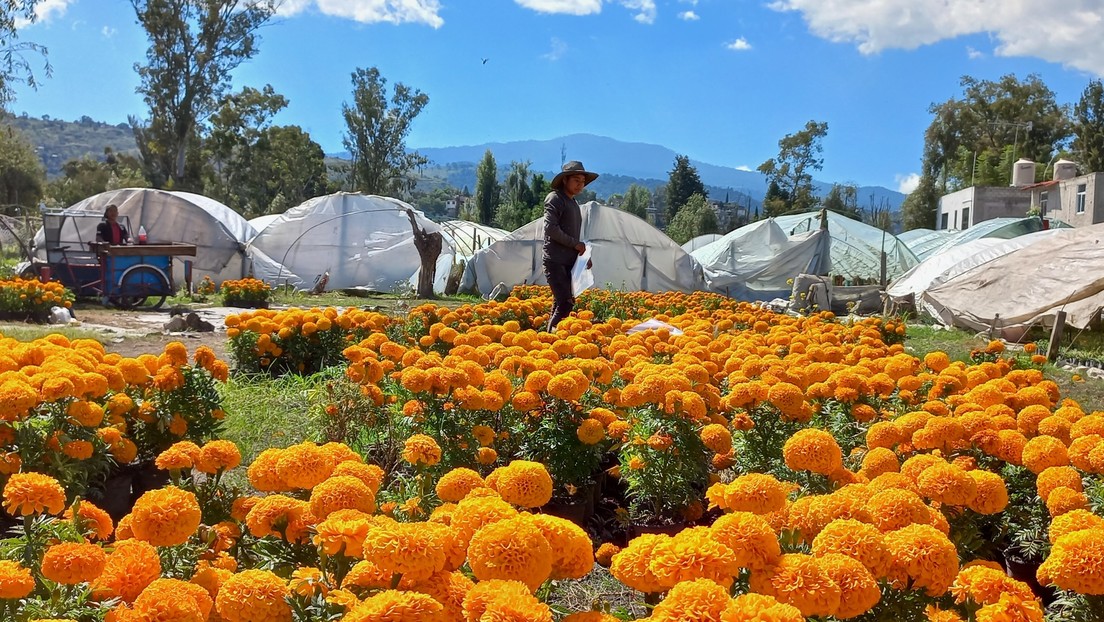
column 562, row 225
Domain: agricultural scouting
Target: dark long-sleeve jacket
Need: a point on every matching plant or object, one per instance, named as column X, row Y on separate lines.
column 563, row 222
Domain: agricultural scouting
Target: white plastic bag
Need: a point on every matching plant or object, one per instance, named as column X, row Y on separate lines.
column 581, row 276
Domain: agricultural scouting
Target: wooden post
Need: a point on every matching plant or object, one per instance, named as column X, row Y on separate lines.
column 993, row 326
column 1056, row 336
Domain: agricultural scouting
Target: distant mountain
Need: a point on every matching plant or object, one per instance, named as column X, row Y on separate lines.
column 642, row 162
column 58, row 141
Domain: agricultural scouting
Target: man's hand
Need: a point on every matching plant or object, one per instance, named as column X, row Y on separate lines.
column 580, row 248
column 590, row 264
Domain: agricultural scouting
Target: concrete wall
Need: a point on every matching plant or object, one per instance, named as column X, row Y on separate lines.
column 1065, row 208
column 962, row 209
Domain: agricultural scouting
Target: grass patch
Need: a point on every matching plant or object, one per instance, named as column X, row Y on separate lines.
column 263, row 412
column 922, row 338
column 286, row 297
column 30, row 332
column 598, row 587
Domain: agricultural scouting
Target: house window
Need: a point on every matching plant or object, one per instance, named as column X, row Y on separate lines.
column 965, row 218
column 946, row 221
column 1080, row 198
column 1043, row 196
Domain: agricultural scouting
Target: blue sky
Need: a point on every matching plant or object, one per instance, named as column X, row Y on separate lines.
column 719, row 80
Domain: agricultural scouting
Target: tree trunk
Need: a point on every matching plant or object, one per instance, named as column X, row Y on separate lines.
column 429, row 249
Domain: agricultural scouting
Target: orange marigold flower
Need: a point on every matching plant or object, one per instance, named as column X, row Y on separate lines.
column 304, row 465
column 590, row 431
column 757, row 493
column 923, row 555
column 1042, row 452
column 604, row 554
column 181, row 455
column 15, row 581
column 421, row 450
column 514, row 549
column 1072, row 521
column 525, row 483
column 165, row 517
column 860, row 541
column 756, row 607
column 750, row 537
column 697, row 599
column 130, row 567
column 92, row 520
column 485, row 592
column 1010, row 607
column 1063, row 500
column 693, row 554
column 1057, row 476
column 172, row 599
column 70, row 563
column 342, row 532
column 277, row 515
column 253, row 596
column 473, row 512
column 370, row 474
column 801, row 581
column 218, row 456
column 341, row 492
column 457, row 483
column 33, row 493
column 408, row 549
column 948, row 484
column 263, row 474
column 894, row 509
column 396, row 605
column 859, row 591
column 984, row 585
column 716, row 438
column 991, row 492
column 813, row 450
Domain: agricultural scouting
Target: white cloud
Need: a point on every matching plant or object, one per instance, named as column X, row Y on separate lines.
column 739, row 45
column 689, row 16
column 1021, row 27
column 108, row 32
column 45, row 11
column 570, row 7
column 646, row 8
column 744, row 167
column 559, row 48
column 973, row 53
column 907, row 183
column 372, row 11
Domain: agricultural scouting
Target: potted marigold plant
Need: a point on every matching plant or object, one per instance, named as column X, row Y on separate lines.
column 559, row 431
column 247, row 293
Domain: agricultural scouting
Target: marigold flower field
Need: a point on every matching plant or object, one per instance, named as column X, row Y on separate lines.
column 761, row 467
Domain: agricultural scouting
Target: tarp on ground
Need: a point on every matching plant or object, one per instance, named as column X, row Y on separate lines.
column 219, row 233
column 361, row 241
column 951, row 262
column 701, row 242
column 628, row 253
column 758, row 261
column 1028, row 286
column 924, row 242
column 856, row 247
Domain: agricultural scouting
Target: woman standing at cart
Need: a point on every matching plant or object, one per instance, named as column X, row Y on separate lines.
column 110, row 230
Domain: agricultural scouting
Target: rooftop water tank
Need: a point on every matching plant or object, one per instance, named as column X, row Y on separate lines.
column 1064, row 169
column 1023, row 173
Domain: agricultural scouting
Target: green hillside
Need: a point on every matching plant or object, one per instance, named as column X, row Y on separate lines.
column 59, row 141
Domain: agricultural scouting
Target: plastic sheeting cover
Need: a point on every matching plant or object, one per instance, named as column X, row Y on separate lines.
column 468, row 237
column 1028, row 285
column 856, row 247
column 925, row 242
column 757, row 261
column 951, row 262
column 629, row 254
column 361, row 240
column 701, row 242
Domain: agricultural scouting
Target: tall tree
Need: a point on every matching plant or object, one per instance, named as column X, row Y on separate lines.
column 487, row 190
column 682, row 183
column 1088, row 144
column 22, row 176
column 377, row 126
column 843, row 199
column 637, row 201
column 194, row 45
column 921, row 205
column 233, row 144
column 799, row 154
column 14, row 65
column 695, row 218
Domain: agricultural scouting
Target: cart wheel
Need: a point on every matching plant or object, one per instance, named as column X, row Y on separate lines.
column 144, row 287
